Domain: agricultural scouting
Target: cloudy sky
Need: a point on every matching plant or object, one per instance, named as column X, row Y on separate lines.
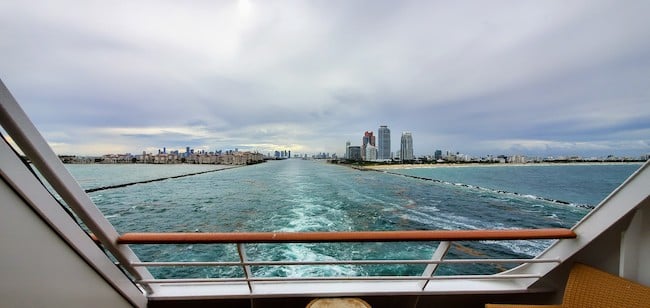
column 477, row 77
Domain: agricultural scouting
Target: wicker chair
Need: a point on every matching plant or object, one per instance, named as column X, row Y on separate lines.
column 589, row 287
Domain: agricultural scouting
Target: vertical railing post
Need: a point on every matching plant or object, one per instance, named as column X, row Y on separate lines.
column 438, row 255
column 247, row 269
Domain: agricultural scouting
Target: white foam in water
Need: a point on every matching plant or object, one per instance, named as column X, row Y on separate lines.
column 462, row 222
column 308, row 215
column 419, row 217
column 441, row 220
column 525, row 247
column 430, row 208
column 304, row 252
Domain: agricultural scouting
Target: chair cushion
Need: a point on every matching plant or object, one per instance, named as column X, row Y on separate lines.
column 589, row 287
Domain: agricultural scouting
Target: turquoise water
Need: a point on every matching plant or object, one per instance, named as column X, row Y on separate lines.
column 299, row 195
column 574, row 183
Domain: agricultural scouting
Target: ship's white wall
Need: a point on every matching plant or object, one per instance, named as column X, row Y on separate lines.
column 643, row 273
column 38, row 269
column 635, row 247
column 623, row 249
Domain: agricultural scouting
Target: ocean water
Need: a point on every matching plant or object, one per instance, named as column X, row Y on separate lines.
column 301, row 195
column 579, row 184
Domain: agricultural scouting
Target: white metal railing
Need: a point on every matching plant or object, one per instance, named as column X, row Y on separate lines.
column 445, row 238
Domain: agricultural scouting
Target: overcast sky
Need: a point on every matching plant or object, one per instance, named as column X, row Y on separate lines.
column 477, row 77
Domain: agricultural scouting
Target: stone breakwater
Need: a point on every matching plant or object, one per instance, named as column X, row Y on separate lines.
column 154, row 180
column 511, row 193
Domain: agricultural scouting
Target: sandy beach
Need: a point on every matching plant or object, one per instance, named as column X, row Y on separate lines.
column 448, row 165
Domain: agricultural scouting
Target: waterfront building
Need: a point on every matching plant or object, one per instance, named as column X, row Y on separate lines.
column 371, row 152
column 284, row 154
column 368, row 139
column 406, row 148
column 355, row 153
column 383, row 148
column 437, row 155
column 517, row 159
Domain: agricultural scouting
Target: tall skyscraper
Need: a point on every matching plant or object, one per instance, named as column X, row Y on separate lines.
column 347, row 150
column 406, row 148
column 368, row 139
column 383, row 147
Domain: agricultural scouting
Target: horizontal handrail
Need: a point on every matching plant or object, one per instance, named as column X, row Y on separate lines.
column 345, row 262
column 242, row 238
column 345, row 278
column 360, row 236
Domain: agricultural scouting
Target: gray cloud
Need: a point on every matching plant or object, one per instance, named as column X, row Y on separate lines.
column 483, row 78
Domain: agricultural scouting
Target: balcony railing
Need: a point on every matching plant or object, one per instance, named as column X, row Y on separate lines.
column 444, row 237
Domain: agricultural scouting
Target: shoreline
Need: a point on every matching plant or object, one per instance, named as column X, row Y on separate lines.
column 468, row 165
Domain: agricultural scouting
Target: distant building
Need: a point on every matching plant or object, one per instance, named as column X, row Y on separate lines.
column 347, row 150
column 355, row 153
column 406, row 148
column 517, row 159
column 383, row 147
column 437, row 155
column 371, row 152
column 368, row 139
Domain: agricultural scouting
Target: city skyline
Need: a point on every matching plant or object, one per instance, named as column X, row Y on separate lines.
column 515, row 77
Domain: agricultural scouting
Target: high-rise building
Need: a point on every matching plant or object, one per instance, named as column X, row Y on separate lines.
column 371, row 152
column 383, row 147
column 347, row 150
column 368, row 139
column 406, row 148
